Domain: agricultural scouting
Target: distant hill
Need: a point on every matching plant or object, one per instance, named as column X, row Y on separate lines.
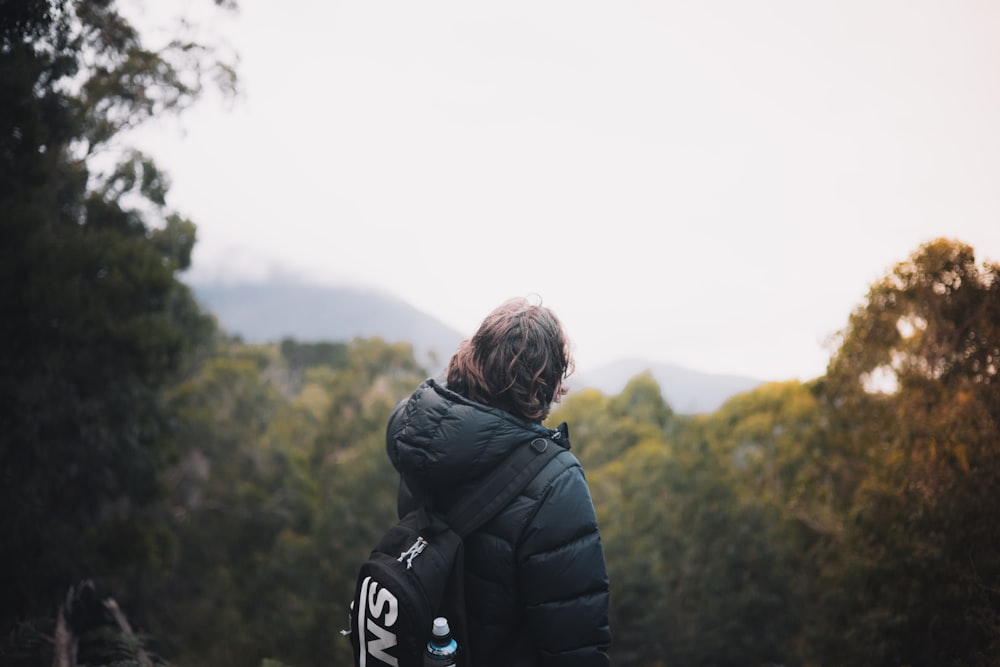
column 268, row 312
column 687, row 391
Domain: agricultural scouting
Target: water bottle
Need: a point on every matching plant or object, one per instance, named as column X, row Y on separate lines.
column 441, row 649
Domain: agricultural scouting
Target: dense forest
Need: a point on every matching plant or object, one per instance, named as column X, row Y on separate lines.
column 173, row 495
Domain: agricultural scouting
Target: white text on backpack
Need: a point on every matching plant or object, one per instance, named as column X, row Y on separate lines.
column 378, row 614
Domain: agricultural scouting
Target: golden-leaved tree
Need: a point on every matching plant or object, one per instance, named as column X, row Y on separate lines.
column 913, row 397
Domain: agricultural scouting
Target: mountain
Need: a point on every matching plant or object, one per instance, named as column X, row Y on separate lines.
column 687, row 391
column 268, row 312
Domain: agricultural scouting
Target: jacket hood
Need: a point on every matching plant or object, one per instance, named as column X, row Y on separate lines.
column 440, row 438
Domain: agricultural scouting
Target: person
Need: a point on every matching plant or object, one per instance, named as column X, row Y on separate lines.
column 537, row 589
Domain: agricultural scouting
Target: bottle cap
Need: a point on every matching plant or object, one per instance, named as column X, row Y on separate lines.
column 441, row 628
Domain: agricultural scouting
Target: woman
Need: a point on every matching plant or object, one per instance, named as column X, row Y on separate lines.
column 536, row 579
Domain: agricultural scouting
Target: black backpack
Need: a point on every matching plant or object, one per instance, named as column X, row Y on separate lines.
column 415, row 573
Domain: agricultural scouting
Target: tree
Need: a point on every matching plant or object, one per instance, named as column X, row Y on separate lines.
column 94, row 320
column 912, row 395
column 603, row 428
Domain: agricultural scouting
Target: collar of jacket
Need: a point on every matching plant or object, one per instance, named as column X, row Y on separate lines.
column 438, row 437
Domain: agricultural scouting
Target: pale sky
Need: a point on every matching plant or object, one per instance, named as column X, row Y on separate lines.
column 714, row 184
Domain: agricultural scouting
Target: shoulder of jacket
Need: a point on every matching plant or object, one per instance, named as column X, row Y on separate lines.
column 564, row 463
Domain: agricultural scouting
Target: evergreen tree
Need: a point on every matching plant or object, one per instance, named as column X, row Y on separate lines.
column 94, row 321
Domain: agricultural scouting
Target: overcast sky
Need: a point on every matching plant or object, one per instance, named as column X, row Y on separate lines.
column 714, row 183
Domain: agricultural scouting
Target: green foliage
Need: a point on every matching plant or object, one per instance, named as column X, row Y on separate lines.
column 304, row 355
column 698, row 576
column 276, row 499
column 603, row 428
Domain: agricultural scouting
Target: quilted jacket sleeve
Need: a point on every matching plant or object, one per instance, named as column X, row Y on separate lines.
column 563, row 577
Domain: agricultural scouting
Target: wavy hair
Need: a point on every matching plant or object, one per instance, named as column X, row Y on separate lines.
column 516, row 361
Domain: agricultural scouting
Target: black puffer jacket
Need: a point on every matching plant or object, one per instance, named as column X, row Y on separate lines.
column 536, row 580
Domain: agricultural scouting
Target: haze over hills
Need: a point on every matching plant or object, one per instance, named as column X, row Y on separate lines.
column 686, row 390
column 269, row 311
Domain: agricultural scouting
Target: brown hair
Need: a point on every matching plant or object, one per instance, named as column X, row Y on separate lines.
column 516, row 361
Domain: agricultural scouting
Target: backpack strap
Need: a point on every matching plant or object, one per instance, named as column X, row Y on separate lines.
column 502, row 485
